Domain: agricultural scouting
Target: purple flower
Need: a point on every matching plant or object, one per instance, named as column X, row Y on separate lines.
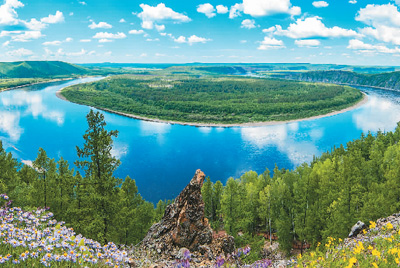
column 187, row 255
column 220, row 262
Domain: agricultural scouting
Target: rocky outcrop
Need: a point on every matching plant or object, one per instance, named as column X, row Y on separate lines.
column 357, row 228
column 184, row 226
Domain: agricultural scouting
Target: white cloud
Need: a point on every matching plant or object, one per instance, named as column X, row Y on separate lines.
column 270, row 43
column 57, row 42
column 385, row 22
column 260, row 8
column 82, row 3
column 235, row 11
column 207, row 9
column 363, row 47
column 307, row 43
column 102, row 24
column 71, row 13
column 248, row 24
column 152, row 40
column 319, row 4
column 159, row 13
column 122, row 20
column 105, row 40
column 379, row 15
column 6, row 44
column 25, row 36
column 52, row 43
column 8, row 15
column 51, row 19
column 21, row 52
column 222, row 9
column 160, row 28
column 269, row 30
column 353, row 1
column 105, row 35
column 85, row 40
column 313, row 27
column 137, row 32
column 191, row 40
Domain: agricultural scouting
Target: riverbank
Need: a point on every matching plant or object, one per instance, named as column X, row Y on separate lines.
column 363, row 101
column 37, row 83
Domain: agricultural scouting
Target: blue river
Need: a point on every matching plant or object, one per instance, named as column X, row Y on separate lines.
column 162, row 158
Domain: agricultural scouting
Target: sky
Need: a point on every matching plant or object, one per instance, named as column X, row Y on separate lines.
column 355, row 32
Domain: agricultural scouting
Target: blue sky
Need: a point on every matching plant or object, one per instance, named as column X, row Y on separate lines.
column 358, row 32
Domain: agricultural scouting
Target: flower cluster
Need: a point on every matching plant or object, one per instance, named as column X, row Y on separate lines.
column 30, row 238
column 380, row 247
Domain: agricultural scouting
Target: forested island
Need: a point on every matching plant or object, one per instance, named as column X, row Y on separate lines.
column 213, row 100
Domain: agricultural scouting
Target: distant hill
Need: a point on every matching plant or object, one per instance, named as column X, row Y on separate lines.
column 389, row 80
column 43, row 69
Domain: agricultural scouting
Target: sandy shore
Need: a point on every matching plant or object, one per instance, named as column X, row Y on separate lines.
column 252, row 124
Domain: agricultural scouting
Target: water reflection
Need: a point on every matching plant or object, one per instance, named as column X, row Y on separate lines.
column 298, row 148
column 377, row 114
column 9, row 124
column 159, row 130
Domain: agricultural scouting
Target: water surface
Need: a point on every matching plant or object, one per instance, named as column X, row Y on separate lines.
column 162, row 158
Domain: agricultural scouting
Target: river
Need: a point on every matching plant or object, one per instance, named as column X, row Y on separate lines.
column 162, row 158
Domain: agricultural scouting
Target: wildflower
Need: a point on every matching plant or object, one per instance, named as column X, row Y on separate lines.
column 372, row 225
column 15, row 261
column 389, row 226
column 220, row 261
column 376, row 253
column 375, row 265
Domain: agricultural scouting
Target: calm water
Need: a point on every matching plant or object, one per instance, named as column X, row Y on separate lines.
column 162, row 158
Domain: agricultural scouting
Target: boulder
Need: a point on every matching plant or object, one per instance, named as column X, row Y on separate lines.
column 357, row 228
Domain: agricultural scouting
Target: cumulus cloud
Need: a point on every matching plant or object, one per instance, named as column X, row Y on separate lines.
column 319, row 4
column 8, row 15
column 122, row 20
column 368, row 48
column 160, row 28
column 159, row 13
column 191, row 40
column 235, row 11
column 248, row 24
column 137, row 32
column 51, row 19
column 260, row 8
column 353, row 2
column 313, row 27
column 21, row 52
column 270, row 43
column 22, row 36
column 207, row 9
column 101, row 24
column 221, row 9
column 384, row 21
column 105, row 35
column 307, row 43
column 57, row 42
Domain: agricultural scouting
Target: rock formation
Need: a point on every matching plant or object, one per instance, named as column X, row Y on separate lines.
column 184, row 226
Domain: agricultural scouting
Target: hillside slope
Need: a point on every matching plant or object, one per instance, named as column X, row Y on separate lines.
column 384, row 80
column 44, row 69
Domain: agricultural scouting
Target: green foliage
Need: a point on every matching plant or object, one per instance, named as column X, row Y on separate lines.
column 213, row 100
column 39, row 69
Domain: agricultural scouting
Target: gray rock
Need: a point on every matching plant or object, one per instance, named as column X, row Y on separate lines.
column 357, row 228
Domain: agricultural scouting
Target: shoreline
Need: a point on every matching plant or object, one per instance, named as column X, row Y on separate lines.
column 37, row 83
column 363, row 101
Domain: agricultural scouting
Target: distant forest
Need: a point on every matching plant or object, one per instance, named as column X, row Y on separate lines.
column 213, row 100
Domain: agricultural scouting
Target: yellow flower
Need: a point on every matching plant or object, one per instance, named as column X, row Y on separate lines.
column 372, row 225
column 370, row 247
column 364, row 231
column 397, row 260
column 376, row 253
column 299, row 256
column 389, row 226
column 375, row 265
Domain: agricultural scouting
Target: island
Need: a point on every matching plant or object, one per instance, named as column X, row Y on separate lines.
column 213, row 100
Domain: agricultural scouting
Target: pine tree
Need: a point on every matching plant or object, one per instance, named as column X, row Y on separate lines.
column 99, row 165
